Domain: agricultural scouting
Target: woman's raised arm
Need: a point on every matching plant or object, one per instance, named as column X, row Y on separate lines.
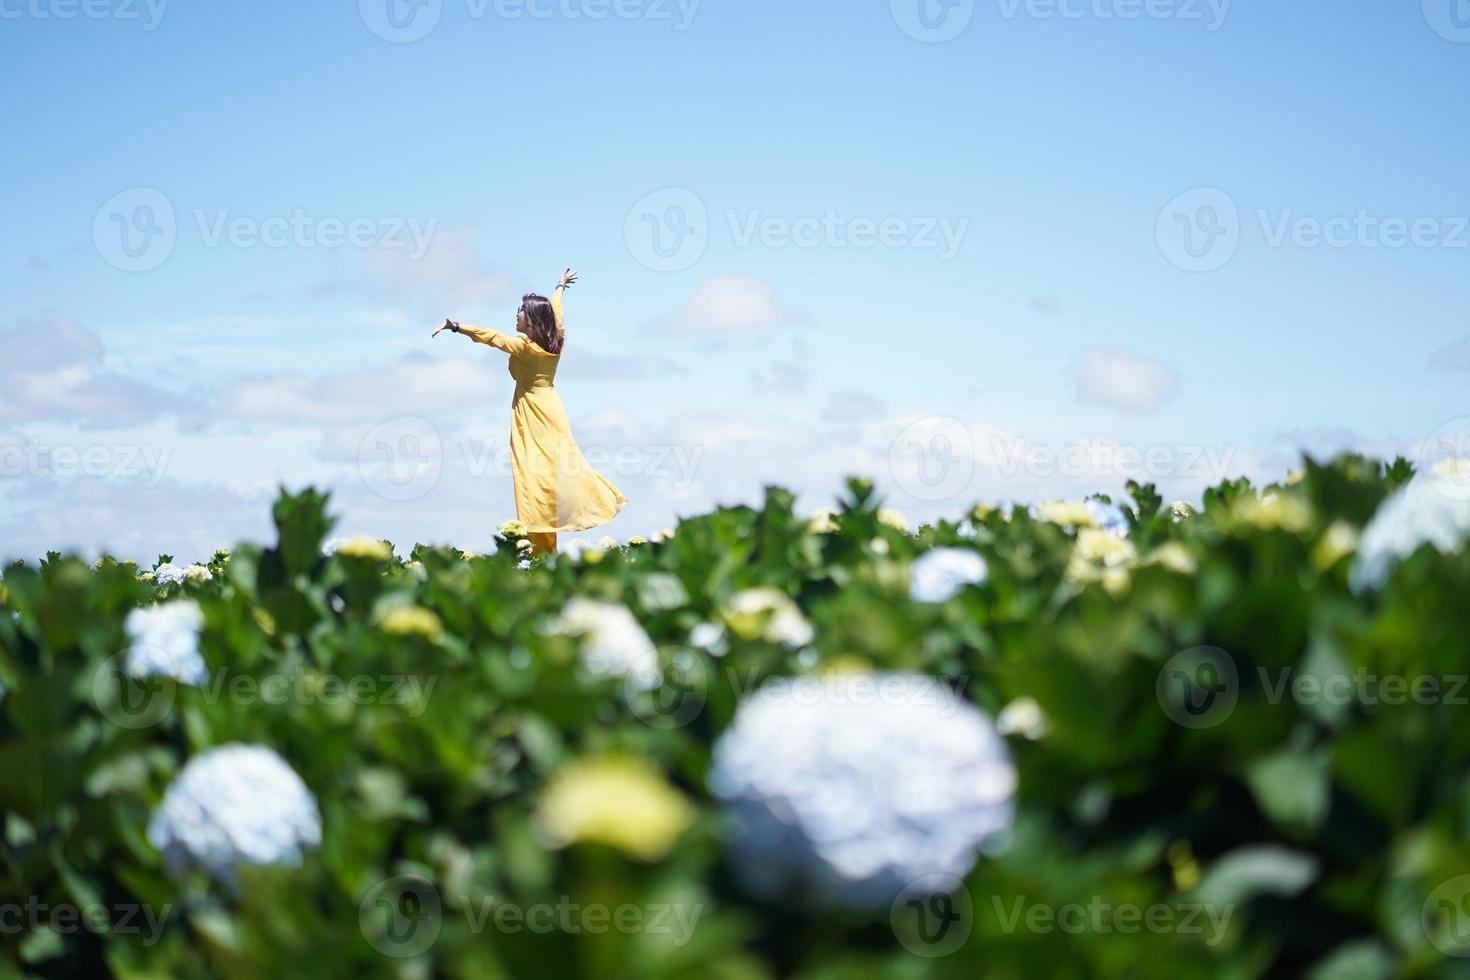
column 557, row 305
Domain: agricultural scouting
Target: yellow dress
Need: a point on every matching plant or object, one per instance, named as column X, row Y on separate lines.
column 556, row 489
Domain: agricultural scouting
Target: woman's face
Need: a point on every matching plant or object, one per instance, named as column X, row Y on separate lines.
column 523, row 325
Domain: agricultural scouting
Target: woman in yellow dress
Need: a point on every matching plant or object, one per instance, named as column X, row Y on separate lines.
column 555, row 488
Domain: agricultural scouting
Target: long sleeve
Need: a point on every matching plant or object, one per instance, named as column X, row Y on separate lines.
column 493, row 338
column 558, row 308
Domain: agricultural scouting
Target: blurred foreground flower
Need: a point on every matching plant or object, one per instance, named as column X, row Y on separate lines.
column 364, row 548
column 845, row 789
column 1101, row 556
column 614, row 643
column 940, row 574
column 823, row 521
column 164, row 642
column 624, row 803
column 411, row 621
column 768, row 614
column 1424, row 511
column 236, row 804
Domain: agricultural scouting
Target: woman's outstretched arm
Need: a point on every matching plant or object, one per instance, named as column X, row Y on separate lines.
column 483, row 335
column 557, row 306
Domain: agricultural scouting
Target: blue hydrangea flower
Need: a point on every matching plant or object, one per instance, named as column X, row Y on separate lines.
column 939, row 574
column 236, row 804
column 1427, row 510
column 845, row 790
column 170, row 574
column 164, row 642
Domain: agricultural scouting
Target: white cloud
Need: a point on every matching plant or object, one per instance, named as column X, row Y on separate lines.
column 1117, row 379
column 727, row 306
column 414, row 385
column 52, row 368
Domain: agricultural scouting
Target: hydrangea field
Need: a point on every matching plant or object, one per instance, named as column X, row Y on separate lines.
column 1102, row 738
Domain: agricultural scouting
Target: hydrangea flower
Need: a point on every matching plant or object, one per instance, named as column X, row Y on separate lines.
column 1180, row 511
column 940, row 574
column 614, row 644
column 893, row 519
column 1419, row 513
column 164, row 642
column 236, row 804
column 850, row 796
column 1101, row 556
column 1066, row 513
column 622, row 802
column 824, row 521
column 368, row 548
column 169, row 574
column 410, row 620
column 768, row 614
column 198, row 573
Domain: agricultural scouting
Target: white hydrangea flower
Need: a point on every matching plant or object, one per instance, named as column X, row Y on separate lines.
column 1419, row 513
column 709, row 637
column 1180, row 511
column 940, row 574
column 198, row 573
column 768, row 614
column 614, row 643
column 1066, row 513
column 849, row 797
column 236, row 804
column 607, row 543
column 170, row 574
column 894, row 519
column 164, row 642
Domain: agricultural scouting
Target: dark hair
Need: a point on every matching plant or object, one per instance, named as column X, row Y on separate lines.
column 541, row 323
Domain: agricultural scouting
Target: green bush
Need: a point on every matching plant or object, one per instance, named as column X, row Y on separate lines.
column 1230, row 763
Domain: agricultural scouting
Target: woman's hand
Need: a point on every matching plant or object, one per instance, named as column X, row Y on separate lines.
column 448, row 325
column 567, row 278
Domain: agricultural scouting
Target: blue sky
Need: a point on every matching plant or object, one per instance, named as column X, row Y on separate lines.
column 912, row 248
